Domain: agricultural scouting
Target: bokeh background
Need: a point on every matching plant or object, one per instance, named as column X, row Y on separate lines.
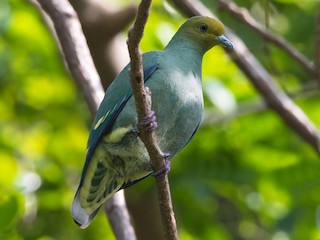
column 245, row 175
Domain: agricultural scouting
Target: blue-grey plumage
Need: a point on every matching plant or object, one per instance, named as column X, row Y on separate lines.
column 116, row 157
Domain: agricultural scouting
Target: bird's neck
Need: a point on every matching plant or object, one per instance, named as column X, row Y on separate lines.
column 186, row 54
column 185, row 46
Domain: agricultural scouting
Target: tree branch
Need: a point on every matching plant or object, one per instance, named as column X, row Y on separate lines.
column 72, row 43
column 119, row 218
column 261, row 79
column 103, row 27
column 244, row 16
column 80, row 64
column 143, row 105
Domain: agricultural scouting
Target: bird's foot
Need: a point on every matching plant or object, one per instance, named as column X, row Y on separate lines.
column 165, row 169
column 150, row 121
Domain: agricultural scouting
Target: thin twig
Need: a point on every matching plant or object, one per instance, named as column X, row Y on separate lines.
column 244, row 16
column 143, row 105
column 261, row 79
column 80, row 64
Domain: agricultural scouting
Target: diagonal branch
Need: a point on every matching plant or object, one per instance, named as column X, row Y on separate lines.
column 75, row 50
column 143, row 105
column 263, row 82
column 102, row 26
column 244, row 16
column 81, row 67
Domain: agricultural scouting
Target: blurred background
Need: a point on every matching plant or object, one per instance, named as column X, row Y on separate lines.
column 245, row 175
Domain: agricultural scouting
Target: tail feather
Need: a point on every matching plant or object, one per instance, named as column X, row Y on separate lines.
column 84, row 208
column 80, row 216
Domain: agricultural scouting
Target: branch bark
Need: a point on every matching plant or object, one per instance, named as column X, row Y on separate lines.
column 143, row 105
column 244, row 16
column 80, row 64
column 103, row 27
column 276, row 99
column 72, row 42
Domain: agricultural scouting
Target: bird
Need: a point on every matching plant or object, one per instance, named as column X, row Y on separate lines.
column 116, row 158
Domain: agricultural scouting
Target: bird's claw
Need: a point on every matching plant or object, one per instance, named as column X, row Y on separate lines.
column 150, row 121
column 165, row 169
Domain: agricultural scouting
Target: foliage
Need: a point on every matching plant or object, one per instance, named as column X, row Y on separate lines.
column 248, row 178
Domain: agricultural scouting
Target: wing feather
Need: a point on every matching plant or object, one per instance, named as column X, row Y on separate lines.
column 112, row 105
column 99, row 180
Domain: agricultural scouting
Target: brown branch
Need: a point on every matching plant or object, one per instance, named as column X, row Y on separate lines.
column 143, row 105
column 261, row 79
column 244, row 16
column 67, row 29
column 275, row 97
column 103, row 19
column 103, row 27
column 80, row 64
column 118, row 216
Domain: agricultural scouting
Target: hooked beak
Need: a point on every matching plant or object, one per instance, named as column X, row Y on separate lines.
column 225, row 42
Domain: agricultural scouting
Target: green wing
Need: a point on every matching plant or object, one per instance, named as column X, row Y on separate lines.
column 103, row 181
column 114, row 101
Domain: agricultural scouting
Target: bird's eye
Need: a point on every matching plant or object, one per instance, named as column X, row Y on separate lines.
column 203, row 27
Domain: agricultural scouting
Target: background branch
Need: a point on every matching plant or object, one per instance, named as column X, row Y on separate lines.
column 103, row 26
column 143, row 105
column 80, row 64
column 261, row 79
column 244, row 16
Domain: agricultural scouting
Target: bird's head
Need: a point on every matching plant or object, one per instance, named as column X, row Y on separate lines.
column 205, row 32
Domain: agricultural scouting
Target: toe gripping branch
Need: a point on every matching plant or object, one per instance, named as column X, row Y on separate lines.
column 165, row 169
column 150, row 121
